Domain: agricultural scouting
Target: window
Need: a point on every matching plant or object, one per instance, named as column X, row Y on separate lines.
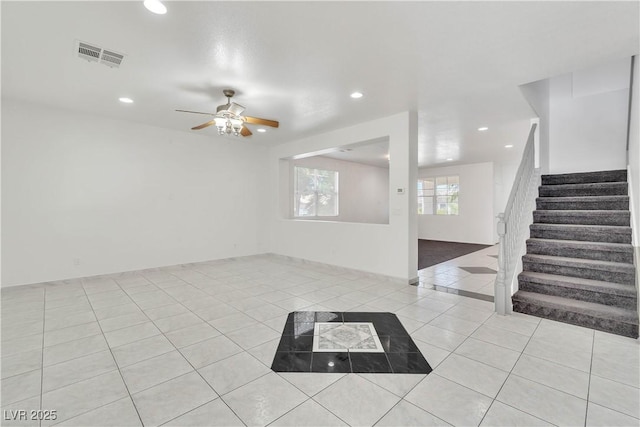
column 316, row 192
column 438, row 196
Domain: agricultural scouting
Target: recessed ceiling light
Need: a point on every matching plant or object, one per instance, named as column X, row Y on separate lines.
column 155, row 6
column 126, row 100
column 449, row 159
column 262, row 130
column 482, row 129
column 356, row 95
column 508, row 146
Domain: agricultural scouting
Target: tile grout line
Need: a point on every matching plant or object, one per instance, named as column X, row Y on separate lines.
column 294, row 408
column 198, row 407
column 586, row 409
column 44, row 319
column 548, row 386
column 475, row 338
column 321, row 405
column 270, row 371
column 402, row 398
column 95, row 376
column 114, row 360
column 507, row 379
column 185, row 358
column 520, row 410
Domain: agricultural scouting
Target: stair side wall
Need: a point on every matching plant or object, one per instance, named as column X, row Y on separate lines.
column 588, row 113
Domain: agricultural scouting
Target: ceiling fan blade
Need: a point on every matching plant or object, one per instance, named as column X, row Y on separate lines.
column 195, row 112
column 204, row 125
column 258, row 121
column 245, row 131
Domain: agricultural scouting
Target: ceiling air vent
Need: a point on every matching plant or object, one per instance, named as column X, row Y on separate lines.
column 88, row 52
column 94, row 53
column 111, row 59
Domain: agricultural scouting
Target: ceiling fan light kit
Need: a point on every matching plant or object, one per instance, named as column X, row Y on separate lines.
column 228, row 125
column 229, row 120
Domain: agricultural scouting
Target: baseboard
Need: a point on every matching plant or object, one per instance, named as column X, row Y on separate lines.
column 369, row 274
column 333, row 268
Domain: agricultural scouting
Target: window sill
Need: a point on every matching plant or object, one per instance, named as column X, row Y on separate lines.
column 334, row 221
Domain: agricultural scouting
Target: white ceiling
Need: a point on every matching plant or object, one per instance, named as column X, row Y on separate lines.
column 458, row 64
column 373, row 152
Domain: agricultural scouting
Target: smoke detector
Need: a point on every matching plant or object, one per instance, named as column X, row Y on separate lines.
column 93, row 53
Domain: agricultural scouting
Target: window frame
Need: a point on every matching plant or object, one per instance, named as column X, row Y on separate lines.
column 335, row 194
column 431, row 191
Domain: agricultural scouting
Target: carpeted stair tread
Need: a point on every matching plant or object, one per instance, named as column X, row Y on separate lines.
column 579, row 283
column 579, row 190
column 580, row 263
column 604, row 251
column 595, row 233
column 583, row 203
column 607, row 271
column 585, row 177
column 601, row 246
column 620, row 229
column 594, row 291
column 584, row 198
column 585, row 217
column 616, row 320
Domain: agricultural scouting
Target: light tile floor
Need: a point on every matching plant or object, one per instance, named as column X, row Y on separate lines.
column 449, row 277
column 192, row 345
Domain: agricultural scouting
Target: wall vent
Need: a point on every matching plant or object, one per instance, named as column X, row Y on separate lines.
column 94, row 53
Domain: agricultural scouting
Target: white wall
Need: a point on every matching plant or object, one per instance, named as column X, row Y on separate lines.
column 583, row 118
column 588, row 119
column 634, row 156
column 537, row 94
column 390, row 249
column 475, row 222
column 119, row 196
column 363, row 193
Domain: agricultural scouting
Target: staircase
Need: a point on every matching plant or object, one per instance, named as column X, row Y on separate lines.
column 579, row 265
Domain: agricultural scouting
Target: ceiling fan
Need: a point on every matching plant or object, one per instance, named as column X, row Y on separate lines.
column 229, row 120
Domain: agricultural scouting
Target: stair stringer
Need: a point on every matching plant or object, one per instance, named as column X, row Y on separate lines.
column 534, row 184
column 635, row 227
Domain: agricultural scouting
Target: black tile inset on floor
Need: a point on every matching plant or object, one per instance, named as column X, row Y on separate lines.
column 347, row 342
column 398, row 344
column 386, row 324
column 408, row 363
column 298, row 329
column 289, row 361
column 331, row 363
column 370, row 362
column 328, row 316
column 295, row 343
